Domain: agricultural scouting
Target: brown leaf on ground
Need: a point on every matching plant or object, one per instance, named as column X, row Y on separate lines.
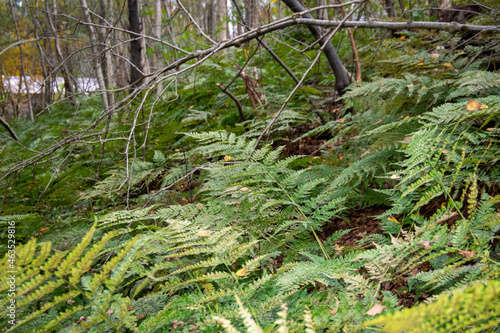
column 375, row 310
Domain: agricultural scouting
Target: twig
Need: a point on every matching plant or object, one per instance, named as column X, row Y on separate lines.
column 236, row 101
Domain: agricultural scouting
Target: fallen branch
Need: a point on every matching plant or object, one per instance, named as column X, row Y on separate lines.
column 8, row 128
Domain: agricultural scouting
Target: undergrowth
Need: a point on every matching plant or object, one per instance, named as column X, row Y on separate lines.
column 214, row 230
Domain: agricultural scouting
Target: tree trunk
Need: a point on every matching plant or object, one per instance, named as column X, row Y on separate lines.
column 390, row 8
column 210, row 17
column 252, row 13
column 107, row 62
column 341, row 78
column 223, row 33
column 22, row 73
column 135, row 44
column 158, row 55
column 68, row 83
column 322, row 13
column 97, row 64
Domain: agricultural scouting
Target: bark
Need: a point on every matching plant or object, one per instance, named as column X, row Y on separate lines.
column 341, row 78
column 389, row 8
column 322, row 13
column 135, row 44
column 68, row 82
column 107, row 64
column 158, row 55
column 221, row 18
column 97, row 64
column 443, row 6
column 252, row 13
column 210, row 16
column 22, row 73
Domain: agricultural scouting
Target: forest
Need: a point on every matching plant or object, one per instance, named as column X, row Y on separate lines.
column 250, row 166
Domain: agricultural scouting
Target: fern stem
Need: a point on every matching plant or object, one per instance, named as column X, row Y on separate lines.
column 297, row 207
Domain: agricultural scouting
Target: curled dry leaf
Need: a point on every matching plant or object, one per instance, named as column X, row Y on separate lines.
column 244, row 189
column 375, row 310
column 467, row 254
column 70, row 302
column 434, row 55
column 395, row 176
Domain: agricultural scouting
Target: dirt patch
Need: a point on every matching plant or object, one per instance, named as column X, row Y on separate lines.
column 361, row 221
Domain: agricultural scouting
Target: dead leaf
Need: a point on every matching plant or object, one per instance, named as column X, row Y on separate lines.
column 395, row 176
column 410, row 85
column 420, row 63
column 448, row 65
column 241, row 272
column 338, row 248
column 394, row 240
column 334, row 311
column 139, row 316
column 407, row 139
column 375, row 310
column 426, row 244
column 227, row 158
column 70, row 302
column 467, row 254
column 393, row 219
column 473, row 105
column 177, row 323
column 203, row 233
column 402, row 37
column 43, row 230
column 244, row 189
column 491, row 129
column 341, row 120
column 109, row 312
column 434, row 55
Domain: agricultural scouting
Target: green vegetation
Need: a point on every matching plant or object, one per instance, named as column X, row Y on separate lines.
column 201, row 224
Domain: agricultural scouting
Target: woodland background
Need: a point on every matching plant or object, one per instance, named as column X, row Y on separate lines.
column 260, row 166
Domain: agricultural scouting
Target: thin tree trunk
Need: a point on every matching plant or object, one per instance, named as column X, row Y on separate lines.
column 322, row 13
column 159, row 57
column 22, row 73
column 107, row 65
column 221, row 15
column 68, row 83
column 210, row 16
column 97, row 64
column 135, row 44
column 341, row 78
